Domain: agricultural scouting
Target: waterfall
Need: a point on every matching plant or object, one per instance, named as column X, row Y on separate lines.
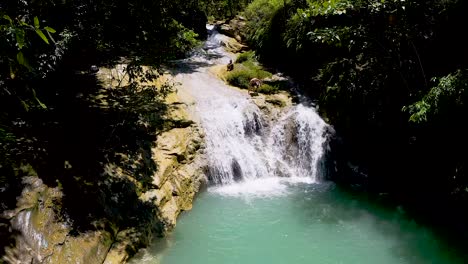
column 242, row 144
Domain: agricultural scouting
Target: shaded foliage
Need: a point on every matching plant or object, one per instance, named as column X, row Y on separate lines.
column 366, row 62
column 222, row 9
column 92, row 141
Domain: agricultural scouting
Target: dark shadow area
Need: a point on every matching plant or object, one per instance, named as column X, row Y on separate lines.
column 94, row 143
column 7, row 235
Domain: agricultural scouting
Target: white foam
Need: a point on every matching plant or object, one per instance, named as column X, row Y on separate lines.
column 261, row 187
column 247, row 153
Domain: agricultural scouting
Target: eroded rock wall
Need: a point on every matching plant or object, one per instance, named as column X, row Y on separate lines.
column 43, row 234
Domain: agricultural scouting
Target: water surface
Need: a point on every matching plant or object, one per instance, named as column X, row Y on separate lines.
column 293, row 222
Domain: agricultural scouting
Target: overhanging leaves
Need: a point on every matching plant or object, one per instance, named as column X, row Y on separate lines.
column 36, row 22
column 43, row 37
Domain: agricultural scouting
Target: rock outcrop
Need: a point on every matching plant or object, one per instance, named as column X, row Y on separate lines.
column 43, row 233
column 178, row 178
column 233, row 28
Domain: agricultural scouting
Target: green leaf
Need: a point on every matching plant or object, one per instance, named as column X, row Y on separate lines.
column 22, row 23
column 49, row 29
column 43, row 37
column 20, row 58
column 36, row 22
column 12, row 72
column 20, row 38
column 25, row 105
column 8, row 18
column 37, row 100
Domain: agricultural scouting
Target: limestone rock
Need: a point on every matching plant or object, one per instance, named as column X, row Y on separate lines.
column 43, row 238
column 232, row 45
column 178, row 178
column 234, row 28
column 227, row 30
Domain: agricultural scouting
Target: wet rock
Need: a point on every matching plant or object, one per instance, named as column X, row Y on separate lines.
column 253, row 125
column 236, row 171
column 43, row 237
column 93, row 69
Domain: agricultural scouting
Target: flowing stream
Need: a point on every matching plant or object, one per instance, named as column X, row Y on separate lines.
column 266, row 202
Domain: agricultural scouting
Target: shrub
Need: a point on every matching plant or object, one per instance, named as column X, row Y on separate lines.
column 240, row 78
column 246, row 56
column 245, row 69
column 267, row 89
column 262, row 74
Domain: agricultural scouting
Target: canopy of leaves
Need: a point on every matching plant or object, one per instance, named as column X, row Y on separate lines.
column 447, row 98
column 53, row 110
column 364, row 61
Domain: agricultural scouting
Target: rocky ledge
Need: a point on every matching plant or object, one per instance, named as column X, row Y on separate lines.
column 42, row 233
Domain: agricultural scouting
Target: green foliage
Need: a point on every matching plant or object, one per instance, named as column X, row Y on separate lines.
column 267, row 89
column 259, row 15
column 246, row 56
column 450, row 94
column 329, row 7
column 351, row 49
column 248, row 69
column 222, row 9
column 240, row 77
column 365, row 61
column 53, row 110
column 16, row 40
column 186, row 39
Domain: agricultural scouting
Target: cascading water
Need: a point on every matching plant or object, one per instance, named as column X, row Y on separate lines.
column 253, row 214
column 241, row 144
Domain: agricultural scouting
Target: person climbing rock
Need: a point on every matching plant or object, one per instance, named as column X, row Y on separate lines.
column 230, row 66
column 254, row 84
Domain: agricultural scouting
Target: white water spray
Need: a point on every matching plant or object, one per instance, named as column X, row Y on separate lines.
column 245, row 150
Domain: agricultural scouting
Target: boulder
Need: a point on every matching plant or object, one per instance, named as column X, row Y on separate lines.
column 227, row 30
column 234, row 28
column 232, row 45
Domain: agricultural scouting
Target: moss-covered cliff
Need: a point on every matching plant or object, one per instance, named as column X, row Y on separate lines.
column 140, row 195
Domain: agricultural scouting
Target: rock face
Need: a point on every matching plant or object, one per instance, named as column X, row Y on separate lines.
column 232, row 45
column 179, row 176
column 45, row 238
column 43, row 234
column 233, row 28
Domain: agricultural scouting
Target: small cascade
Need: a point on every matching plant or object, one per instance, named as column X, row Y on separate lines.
column 298, row 143
column 242, row 145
